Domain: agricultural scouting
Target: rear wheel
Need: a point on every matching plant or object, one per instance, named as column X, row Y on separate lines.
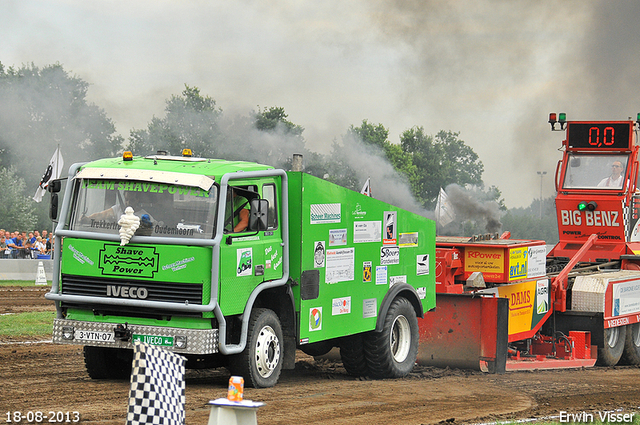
column 613, row 346
column 393, row 352
column 108, row 362
column 352, row 355
column 631, row 354
column 260, row 363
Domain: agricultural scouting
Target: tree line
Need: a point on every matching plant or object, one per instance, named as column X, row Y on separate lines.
column 45, row 107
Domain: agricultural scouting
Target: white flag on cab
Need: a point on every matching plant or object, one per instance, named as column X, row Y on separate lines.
column 52, row 172
column 444, row 210
column 366, row 189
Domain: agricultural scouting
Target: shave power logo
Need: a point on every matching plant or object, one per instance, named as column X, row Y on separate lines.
column 137, row 261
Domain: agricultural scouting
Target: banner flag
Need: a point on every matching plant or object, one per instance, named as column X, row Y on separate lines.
column 444, row 210
column 52, row 172
column 366, row 189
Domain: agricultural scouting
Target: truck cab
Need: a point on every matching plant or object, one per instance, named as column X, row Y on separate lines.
column 599, row 229
column 596, row 183
column 235, row 264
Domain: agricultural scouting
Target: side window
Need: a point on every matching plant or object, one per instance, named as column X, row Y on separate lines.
column 269, row 193
column 237, row 210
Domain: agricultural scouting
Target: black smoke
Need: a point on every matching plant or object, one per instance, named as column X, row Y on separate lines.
column 467, row 206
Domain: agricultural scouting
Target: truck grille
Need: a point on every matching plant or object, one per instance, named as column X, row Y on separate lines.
column 155, row 291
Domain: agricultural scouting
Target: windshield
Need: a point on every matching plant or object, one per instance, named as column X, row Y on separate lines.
column 586, row 171
column 164, row 210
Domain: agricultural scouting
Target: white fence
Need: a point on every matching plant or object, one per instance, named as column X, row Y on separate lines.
column 24, row 269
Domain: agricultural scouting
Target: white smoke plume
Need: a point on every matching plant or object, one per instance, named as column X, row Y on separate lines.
column 386, row 183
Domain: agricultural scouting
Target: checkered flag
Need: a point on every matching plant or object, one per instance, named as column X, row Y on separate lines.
column 157, row 387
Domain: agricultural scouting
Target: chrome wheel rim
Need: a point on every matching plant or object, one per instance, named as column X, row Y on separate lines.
column 267, row 353
column 400, row 339
column 612, row 338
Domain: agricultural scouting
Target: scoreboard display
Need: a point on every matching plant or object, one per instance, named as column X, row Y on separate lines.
column 599, row 135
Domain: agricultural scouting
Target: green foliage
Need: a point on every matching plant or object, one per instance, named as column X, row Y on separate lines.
column 316, row 164
column 269, row 119
column 372, row 135
column 403, row 163
column 440, row 161
column 16, row 209
column 340, row 169
column 41, row 109
column 45, row 107
column 359, row 156
column 276, row 139
column 424, row 163
column 191, row 121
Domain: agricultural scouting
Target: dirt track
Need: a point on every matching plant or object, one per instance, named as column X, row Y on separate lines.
column 47, row 377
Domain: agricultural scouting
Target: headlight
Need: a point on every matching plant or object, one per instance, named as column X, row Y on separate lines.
column 181, row 342
column 67, row 332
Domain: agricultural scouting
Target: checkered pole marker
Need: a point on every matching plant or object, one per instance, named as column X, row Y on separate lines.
column 157, row 387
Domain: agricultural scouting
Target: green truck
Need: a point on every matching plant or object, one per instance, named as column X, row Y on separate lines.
column 153, row 249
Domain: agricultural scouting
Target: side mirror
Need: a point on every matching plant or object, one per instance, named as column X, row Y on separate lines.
column 53, row 207
column 54, row 186
column 258, row 215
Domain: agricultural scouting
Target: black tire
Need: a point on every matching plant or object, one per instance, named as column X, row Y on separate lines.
column 631, row 354
column 260, row 363
column 392, row 352
column 107, row 362
column 352, row 355
column 613, row 346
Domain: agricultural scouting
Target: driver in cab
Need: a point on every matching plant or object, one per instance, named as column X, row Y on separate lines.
column 615, row 179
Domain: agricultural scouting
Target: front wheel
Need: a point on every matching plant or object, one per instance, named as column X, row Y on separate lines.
column 613, row 346
column 260, row 363
column 108, row 362
column 393, row 352
column 631, row 354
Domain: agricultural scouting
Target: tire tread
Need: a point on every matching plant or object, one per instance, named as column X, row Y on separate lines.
column 377, row 349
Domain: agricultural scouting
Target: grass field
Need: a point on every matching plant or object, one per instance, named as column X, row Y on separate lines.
column 35, row 325
column 18, row 283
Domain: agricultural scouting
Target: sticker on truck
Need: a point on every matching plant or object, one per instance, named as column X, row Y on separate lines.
column 318, row 255
column 244, row 256
column 340, row 265
column 367, row 231
column 315, row 319
column 161, row 341
column 325, row 213
column 133, row 260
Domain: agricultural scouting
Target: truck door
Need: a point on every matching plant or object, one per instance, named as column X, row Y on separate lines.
column 248, row 258
column 273, row 236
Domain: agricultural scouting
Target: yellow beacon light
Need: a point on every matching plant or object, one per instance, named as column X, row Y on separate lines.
column 186, row 152
column 127, row 156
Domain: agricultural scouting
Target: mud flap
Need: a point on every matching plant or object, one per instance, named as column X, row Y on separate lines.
column 466, row 332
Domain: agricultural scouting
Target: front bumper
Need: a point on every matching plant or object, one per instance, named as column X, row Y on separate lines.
column 198, row 341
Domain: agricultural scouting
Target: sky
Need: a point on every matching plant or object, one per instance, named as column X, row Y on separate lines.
column 489, row 70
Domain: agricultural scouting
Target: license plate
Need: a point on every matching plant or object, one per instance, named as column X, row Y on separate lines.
column 163, row 341
column 93, row 336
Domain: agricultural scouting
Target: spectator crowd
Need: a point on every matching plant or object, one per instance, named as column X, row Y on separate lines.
column 25, row 244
